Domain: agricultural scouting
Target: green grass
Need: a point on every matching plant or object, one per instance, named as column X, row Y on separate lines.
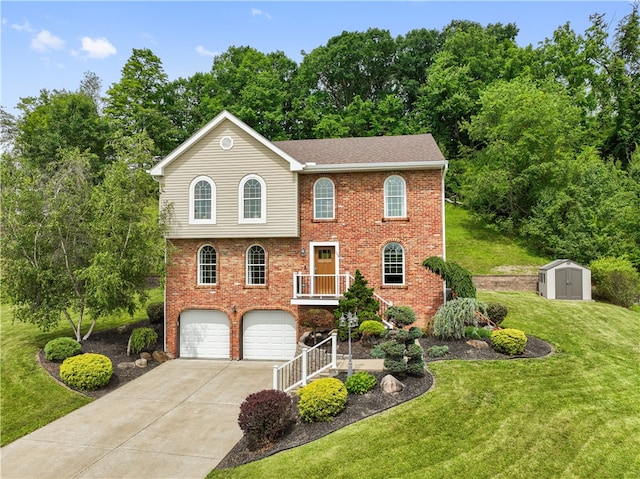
column 575, row 414
column 30, row 397
column 482, row 250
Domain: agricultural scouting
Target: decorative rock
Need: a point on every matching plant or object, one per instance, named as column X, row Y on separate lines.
column 122, row 329
column 390, row 384
column 160, row 356
column 145, row 355
column 478, row 344
column 170, row 355
column 141, row 363
column 127, row 365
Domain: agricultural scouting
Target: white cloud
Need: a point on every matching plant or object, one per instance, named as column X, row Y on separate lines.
column 256, row 12
column 22, row 27
column 204, row 52
column 98, row 47
column 44, row 41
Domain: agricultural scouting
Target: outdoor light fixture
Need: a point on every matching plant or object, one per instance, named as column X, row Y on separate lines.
column 234, row 309
column 350, row 321
column 303, row 252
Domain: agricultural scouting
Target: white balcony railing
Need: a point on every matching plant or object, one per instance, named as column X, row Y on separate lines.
column 320, row 285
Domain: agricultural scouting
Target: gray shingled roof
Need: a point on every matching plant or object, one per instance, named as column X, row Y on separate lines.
column 369, row 150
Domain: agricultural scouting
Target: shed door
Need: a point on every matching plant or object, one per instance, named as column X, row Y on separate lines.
column 568, row 283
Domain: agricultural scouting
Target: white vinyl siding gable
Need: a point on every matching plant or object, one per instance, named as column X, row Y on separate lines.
column 228, row 168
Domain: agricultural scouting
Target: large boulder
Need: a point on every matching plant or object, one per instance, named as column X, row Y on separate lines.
column 390, row 384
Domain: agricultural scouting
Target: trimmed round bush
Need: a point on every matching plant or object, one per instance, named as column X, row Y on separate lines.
column 322, row 400
column 372, row 328
column 395, row 364
column 400, row 315
column 509, row 341
column 415, row 366
column 497, row 312
column 393, row 348
column 360, row 383
column 155, row 313
column 141, row 338
column 414, row 351
column 265, row 416
column 415, row 333
column 438, row 351
column 86, row 371
column 60, row 349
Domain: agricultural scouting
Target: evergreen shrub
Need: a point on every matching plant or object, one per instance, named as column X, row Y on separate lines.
column 616, row 281
column 86, row 371
column 496, row 312
column 509, row 341
column 266, row 416
column 438, row 351
column 322, row 400
column 155, row 313
column 360, row 383
column 60, row 349
column 472, row 332
column 401, row 316
column 141, row 338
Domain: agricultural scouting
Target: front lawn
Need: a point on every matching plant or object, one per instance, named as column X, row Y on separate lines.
column 30, row 398
column 573, row 414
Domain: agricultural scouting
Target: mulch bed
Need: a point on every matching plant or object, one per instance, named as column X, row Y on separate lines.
column 113, row 344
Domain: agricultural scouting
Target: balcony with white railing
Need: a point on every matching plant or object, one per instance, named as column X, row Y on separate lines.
column 325, row 290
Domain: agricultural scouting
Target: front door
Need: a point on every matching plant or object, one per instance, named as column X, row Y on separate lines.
column 325, row 270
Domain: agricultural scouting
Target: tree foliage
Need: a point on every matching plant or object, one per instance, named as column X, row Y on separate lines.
column 457, row 278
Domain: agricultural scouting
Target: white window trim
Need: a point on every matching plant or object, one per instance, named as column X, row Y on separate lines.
column 200, row 264
column 404, row 198
column 404, row 261
column 246, row 266
column 333, row 199
column 192, row 213
column 263, row 201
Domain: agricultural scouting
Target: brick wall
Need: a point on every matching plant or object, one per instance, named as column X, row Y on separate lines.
column 361, row 233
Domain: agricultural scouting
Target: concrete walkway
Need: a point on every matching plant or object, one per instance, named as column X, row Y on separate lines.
column 178, row 420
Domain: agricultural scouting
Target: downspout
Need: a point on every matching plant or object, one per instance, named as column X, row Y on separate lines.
column 444, row 230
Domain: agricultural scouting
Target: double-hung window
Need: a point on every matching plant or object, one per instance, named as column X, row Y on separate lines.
column 323, row 199
column 256, row 266
column 252, row 195
column 393, row 264
column 395, row 198
column 202, row 200
column 207, row 265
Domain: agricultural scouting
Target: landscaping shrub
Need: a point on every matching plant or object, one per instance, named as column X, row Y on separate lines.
column 472, row 332
column 86, row 371
column 401, row 316
column 322, row 400
column 401, row 346
column 140, row 339
column 438, row 351
column 155, row 313
column 415, row 366
column 60, row 349
column 453, row 316
column 358, row 298
column 318, row 319
column 372, row 328
column 616, row 281
column 265, row 416
column 377, row 352
column 360, row 383
column 509, row 341
column 457, row 278
column 496, row 312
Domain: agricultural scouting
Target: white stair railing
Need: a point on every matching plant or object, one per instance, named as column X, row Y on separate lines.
column 308, row 364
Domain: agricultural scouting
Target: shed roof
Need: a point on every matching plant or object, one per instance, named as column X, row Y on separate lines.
column 559, row 262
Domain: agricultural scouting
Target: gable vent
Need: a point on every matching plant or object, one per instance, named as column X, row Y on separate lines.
column 226, row 143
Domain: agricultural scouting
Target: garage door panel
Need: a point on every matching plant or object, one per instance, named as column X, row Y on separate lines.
column 204, row 334
column 269, row 335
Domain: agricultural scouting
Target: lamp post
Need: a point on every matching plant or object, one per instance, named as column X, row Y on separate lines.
column 350, row 321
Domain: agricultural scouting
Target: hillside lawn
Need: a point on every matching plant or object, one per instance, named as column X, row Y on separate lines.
column 574, row 414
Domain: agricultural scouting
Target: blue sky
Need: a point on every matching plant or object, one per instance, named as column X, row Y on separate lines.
column 51, row 44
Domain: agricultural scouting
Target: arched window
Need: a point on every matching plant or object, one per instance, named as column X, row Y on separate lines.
column 202, row 200
column 393, row 264
column 395, row 199
column 207, row 265
column 252, row 194
column 256, row 265
column 323, row 199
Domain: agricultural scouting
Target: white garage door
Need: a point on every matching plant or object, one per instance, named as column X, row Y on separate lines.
column 268, row 335
column 204, row 334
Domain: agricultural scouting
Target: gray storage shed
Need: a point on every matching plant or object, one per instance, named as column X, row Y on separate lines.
column 564, row 279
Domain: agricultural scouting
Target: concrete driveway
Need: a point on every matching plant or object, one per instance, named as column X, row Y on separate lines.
column 178, row 420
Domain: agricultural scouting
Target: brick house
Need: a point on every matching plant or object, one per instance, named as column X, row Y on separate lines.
column 261, row 231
